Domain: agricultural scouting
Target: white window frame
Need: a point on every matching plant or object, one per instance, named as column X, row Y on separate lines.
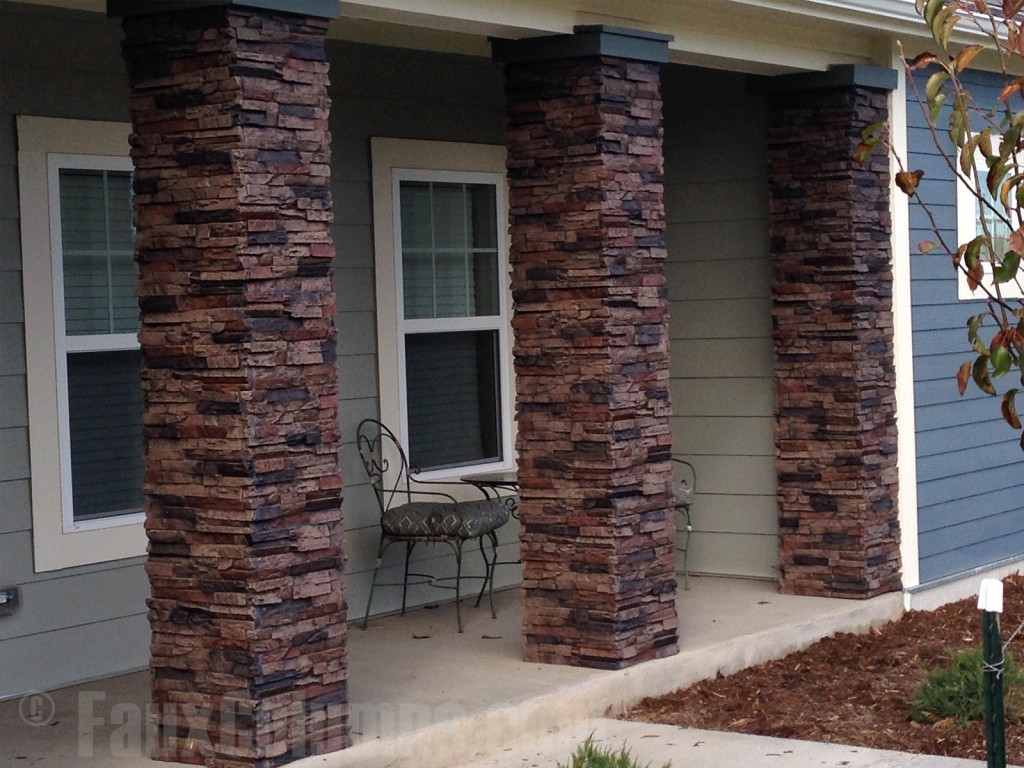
column 967, row 230
column 45, row 146
column 394, row 161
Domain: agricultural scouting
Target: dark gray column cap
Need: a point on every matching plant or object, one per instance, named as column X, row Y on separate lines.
column 836, row 76
column 324, row 9
column 587, row 40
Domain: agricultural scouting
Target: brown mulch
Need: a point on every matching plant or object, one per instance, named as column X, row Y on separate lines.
column 853, row 689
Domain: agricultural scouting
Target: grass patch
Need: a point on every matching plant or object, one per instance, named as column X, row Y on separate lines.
column 590, row 754
column 955, row 692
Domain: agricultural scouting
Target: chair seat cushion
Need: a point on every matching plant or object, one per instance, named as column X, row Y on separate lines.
column 464, row 519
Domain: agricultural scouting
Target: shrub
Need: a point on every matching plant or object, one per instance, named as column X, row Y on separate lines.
column 590, row 754
column 955, row 692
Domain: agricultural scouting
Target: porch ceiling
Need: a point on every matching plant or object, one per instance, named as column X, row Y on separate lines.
column 757, row 36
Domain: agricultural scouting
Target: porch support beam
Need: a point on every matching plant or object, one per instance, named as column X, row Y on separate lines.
column 835, row 384
column 591, row 346
column 232, row 203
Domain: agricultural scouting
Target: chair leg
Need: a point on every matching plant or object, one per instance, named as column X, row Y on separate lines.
column 458, row 580
column 373, row 582
column 405, row 578
column 686, row 551
column 487, row 571
column 490, row 576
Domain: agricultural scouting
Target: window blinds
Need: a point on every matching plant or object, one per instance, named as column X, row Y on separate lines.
column 452, row 395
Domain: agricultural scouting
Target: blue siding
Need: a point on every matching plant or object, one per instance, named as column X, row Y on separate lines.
column 970, row 503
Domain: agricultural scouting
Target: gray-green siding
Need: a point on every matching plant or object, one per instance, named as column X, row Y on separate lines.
column 76, row 623
column 970, row 506
column 719, row 272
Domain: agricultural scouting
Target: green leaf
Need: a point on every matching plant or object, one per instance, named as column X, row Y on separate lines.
column 872, row 130
column 967, row 155
column 994, row 177
column 973, row 325
column 1006, row 271
column 929, row 9
column 958, row 125
column 950, row 18
column 979, row 372
column 933, row 87
column 985, row 143
column 1001, row 361
column 972, row 263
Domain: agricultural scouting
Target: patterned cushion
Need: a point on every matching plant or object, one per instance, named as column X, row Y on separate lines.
column 465, row 519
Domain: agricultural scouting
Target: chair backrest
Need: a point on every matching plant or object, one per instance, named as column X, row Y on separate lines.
column 384, row 461
column 685, row 488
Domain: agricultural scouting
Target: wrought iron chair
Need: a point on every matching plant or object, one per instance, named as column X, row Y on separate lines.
column 417, row 511
column 684, row 489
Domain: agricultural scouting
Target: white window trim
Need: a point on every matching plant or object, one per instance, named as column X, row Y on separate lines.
column 44, row 146
column 967, row 230
column 394, row 160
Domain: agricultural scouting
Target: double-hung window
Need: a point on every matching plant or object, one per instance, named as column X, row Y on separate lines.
column 97, row 322
column 82, row 351
column 443, row 329
column 975, row 217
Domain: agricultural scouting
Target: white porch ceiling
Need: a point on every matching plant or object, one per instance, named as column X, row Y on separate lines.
column 760, row 36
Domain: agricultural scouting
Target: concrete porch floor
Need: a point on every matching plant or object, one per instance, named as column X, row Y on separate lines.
column 423, row 695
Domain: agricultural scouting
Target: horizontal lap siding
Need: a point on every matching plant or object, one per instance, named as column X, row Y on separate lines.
column 970, row 505
column 720, row 293
column 80, row 622
column 449, row 98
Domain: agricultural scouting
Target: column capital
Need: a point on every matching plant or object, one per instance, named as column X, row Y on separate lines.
column 587, row 40
column 325, row 9
column 836, row 76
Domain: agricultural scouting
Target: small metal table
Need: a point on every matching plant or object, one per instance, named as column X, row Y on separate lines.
column 492, row 482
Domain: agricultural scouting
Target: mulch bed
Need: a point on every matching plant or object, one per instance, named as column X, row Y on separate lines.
column 853, row 689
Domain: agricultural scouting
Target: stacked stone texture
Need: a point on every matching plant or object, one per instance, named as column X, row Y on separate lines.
column 591, row 355
column 835, row 396
column 247, row 609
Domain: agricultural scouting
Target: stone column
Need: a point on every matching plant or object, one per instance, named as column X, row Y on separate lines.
column 229, row 108
column 835, row 400
column 591, row 346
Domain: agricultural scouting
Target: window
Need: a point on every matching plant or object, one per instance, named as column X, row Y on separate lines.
column 443, row 329
column 96, row 324
column 85, row 401
column 971, row 215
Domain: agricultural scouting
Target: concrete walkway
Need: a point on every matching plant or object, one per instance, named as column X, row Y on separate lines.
column 656, row 745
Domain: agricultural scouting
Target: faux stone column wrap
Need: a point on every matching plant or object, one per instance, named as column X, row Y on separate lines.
column 591, row 347
column 835, row 399
column 231, row 151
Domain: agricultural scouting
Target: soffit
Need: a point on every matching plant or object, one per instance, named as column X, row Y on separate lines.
column 762, row 36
